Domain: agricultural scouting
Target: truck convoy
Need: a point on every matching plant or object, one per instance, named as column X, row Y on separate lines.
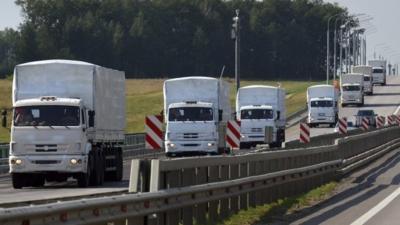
column 262, row 113
column 378, row 71
column 367, row 72
column 68, row 121
column 196, row 110
column 352, row 89
column 322, row 105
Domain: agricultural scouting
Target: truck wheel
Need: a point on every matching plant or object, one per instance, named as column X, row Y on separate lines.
column 85, row 178
column 97, row 176
column 116, row 175
column 119, row 165
column 18, row 180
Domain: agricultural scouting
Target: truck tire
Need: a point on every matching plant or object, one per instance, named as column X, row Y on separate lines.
column 18, row 180
column 118, row 164
column 97, row 176
column 85, row 178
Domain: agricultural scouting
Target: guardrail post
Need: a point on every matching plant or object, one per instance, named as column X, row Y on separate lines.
column 213, row 176
column 172, row 180
column 188, row 176
column 243, row 172
column 260, row 194
column 234, row 174
column 252, row 195
column 224, row 202
column 139, row 178
column 201, row 209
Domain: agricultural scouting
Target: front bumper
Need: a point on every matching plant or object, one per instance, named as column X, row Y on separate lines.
column 48, row 163
column 321, row 119
column 208, row 146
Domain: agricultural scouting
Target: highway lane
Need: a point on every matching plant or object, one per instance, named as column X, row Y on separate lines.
column 360, row 196
column 384, row 102
column 68, row 190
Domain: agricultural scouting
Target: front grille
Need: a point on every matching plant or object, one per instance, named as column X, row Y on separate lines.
column 191, row 135
column 45, row 148
column 256, row 130
column 190, row 145
column 46, row 162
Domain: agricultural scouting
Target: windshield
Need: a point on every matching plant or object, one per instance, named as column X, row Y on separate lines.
column 190, row 114
column 366, row 113
column 351, row 88
column 322, row 103
column 377, row 70
column 256, row 114
column 46, row 116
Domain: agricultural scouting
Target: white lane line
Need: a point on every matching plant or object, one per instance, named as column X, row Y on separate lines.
column 372, row 212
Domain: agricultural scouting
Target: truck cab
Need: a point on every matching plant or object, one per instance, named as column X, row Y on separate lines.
column 49, row 134
column 352, row 89
column 368, row 85
column 254, row 120
column 322, row 110
column 192, row 127
column 378, row 76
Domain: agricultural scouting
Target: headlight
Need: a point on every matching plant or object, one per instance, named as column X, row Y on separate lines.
column 16, row 161
column 172, row 145
column 210, row 144
column 75, row 161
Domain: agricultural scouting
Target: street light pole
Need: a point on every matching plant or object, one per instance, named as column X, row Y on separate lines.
column 236, row 36
column 327, row 47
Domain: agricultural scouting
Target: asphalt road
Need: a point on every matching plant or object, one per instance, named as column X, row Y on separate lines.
column 368, row 196
column 384, row 102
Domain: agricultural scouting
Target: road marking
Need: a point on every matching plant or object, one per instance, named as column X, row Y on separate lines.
column 372, row 212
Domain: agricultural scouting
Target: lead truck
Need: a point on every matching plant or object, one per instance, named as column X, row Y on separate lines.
column 68, row 121
column 196, row 111
column 262, row 114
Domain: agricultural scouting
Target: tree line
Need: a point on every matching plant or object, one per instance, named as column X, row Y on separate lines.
column 280, row 39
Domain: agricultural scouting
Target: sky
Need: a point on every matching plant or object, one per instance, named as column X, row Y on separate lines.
column 383, row 33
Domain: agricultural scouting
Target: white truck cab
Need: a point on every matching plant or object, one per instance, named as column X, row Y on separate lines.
column 261, row 112
column 68, row 121
column 352, row 89
column 368, row 85
column 367, row 71
column 322, row 105
column 196, row 111
column 378, row 71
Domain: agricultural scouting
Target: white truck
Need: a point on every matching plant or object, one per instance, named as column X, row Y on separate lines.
column 352, row 89
column 378, row 71
column 322, row 105
column 196, row 110
column 262, row 113
column 367, row 72
column 68, row 121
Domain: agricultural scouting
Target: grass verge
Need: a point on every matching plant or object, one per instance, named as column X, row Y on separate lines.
column 263, row 214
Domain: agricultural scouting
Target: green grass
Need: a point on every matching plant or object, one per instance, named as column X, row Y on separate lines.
column 262, row 214
column 144, row 97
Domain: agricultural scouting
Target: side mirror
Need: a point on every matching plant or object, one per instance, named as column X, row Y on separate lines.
column 278, row 115
column 91, row 118
column 4, row 118
column 220, row 115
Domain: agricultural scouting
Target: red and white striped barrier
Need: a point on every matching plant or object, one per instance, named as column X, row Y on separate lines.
column 365, row 124
column 304, row 133
column 397, row 118
column 380, row 122
column 154, row 133
column 232, row 137
column 343, row 125
column 391, row 120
